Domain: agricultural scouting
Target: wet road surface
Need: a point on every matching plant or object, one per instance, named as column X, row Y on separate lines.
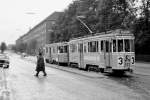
column 62, row 85
column 139, row 83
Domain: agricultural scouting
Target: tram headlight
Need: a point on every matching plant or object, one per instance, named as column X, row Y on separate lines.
column 120, row 60
column 132, row 60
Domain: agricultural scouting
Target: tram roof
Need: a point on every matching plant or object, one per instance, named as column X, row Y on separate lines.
column 112, row 33
column 57, row 44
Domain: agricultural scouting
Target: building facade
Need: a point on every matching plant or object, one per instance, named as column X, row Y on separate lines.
column 39, row 35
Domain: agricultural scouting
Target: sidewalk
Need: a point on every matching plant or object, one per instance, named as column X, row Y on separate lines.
column 5, row 93
column 69, row 69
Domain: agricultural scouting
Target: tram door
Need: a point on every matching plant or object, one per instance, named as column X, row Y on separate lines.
column 80, row 49
column 105, row 54
column 50, row 55
column 108, row 53
column 67, row 54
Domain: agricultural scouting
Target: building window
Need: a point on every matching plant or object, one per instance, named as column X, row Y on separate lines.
column 53, row 22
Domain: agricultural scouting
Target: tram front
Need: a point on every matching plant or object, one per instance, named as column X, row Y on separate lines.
column 123, row 53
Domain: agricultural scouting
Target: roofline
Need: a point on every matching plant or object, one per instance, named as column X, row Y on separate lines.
column 58, row 43
column 104, row 34
column 46, row 19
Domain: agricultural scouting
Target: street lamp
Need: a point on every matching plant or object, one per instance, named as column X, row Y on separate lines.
column 78, row 18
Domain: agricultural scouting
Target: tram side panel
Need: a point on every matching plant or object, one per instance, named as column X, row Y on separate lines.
column 63, row 57
column 63, row 53
column 54, row 55
column 96, row 55
column 105, row 56
column 99, row 51
column 91, row 53
column 84, row 53
column 47, row 54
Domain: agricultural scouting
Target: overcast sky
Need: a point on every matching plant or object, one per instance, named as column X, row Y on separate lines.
column 17, row 16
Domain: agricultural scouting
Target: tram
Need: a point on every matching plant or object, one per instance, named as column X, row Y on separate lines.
column 107, row 51
column 57, row 53
column 110, row 51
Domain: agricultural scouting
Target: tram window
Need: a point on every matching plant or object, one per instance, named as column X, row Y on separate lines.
column 60, row 49
column 132, row 45
column 110, row 50
column 65, row 49
column 127, row 45
column 85, row 49
column 49, row 49
column 114, row 45
column 46, row 49
column 102, row 44
column 107, row 46
column 80, row 47
column 73, row 48
column 120, row 45
column 93, row 46
column 96, row 46
column 70, row 47
column 53, row 49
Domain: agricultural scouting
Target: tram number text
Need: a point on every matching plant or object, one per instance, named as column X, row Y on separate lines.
column 120, row 60
column 132, row 60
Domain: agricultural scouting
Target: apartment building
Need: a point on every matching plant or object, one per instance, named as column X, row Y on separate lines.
column 40, row 34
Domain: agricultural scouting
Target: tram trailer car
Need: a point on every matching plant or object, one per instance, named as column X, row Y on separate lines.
column 57, row 53
column 111, row 51
column 49, row 53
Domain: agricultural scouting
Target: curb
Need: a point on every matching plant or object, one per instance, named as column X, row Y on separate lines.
column 77, row 71
column 74, row 70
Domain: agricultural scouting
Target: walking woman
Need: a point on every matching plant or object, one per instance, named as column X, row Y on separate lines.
column 40, row 65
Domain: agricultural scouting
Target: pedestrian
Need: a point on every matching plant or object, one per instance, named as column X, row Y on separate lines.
column 40, row 65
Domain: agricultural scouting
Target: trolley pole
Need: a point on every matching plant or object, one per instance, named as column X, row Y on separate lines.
column 78, row 18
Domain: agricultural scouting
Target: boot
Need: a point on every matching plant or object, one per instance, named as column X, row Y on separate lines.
column 45, row 74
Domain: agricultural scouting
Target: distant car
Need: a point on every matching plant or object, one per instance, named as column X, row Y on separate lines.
column 4, row 61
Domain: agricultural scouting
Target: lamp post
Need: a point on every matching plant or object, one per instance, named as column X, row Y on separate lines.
column 78, row 18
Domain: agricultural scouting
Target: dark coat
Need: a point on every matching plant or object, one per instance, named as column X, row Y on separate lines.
column 40, row 64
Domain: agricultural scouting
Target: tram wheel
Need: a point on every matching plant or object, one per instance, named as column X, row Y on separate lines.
column 102, row 70
column 87, row 68
column 118, row 72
